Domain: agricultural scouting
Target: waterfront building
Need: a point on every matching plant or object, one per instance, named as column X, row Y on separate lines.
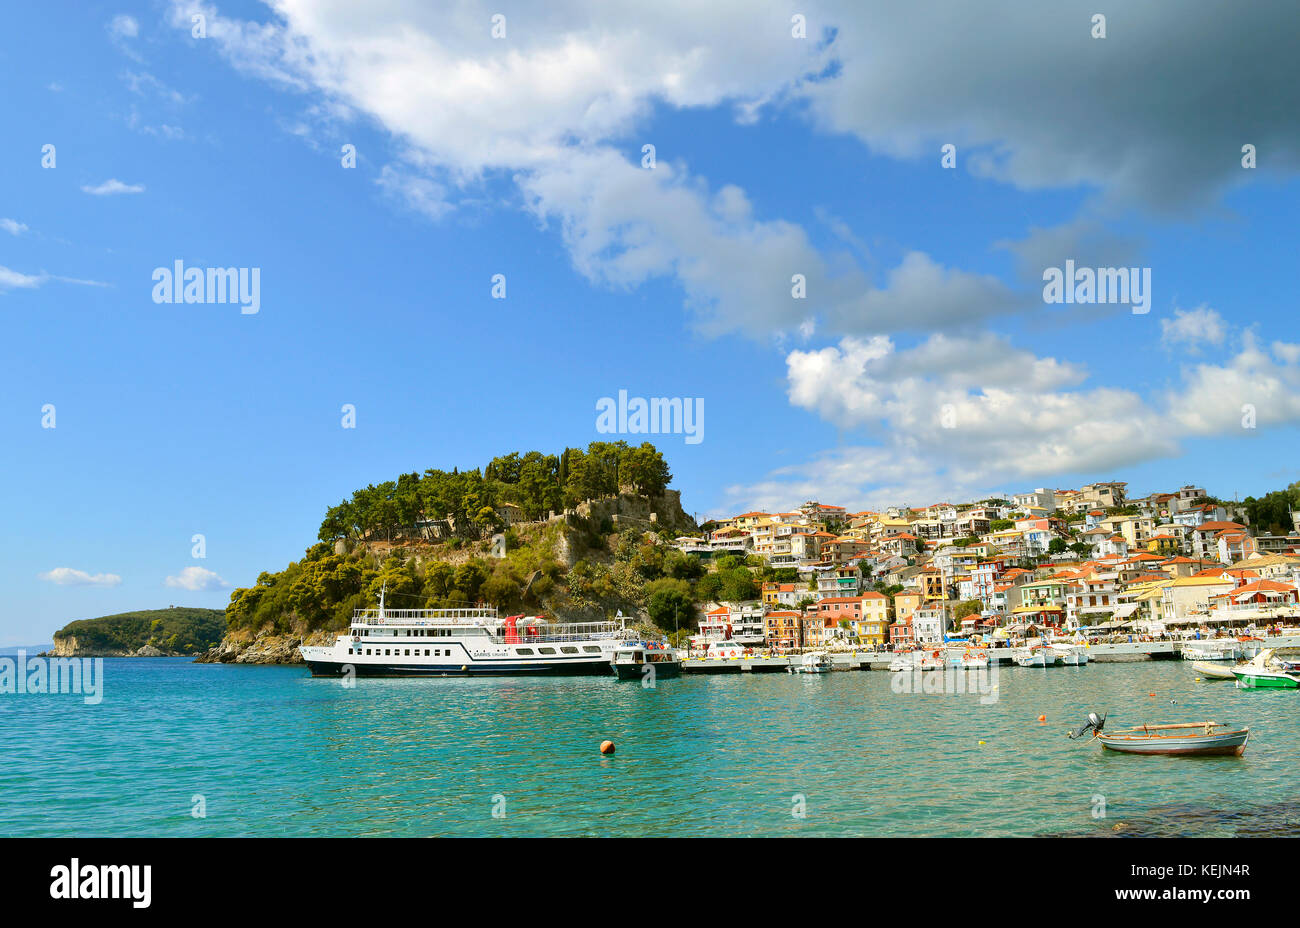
column 905, row 604
column 784, row 594
column 842, row 581
column 1188, row 598
column 902, row 637
column 928, row 624
column 783, row 629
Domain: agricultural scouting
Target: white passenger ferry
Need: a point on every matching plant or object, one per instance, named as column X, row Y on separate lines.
column 464, row 642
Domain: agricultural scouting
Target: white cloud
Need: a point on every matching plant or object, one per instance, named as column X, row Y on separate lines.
column 553, row 109
column 11, row 278
column 12, row 226
column 415, row 192
column 1035, row 101
column 197, row 580
column 975, row 403
column 963, row 416
column 1085, row 240
column 123, row 26
column 1193, row 327
column 1213, row 397
column 122, row 30
column 1287, row 352
column 557, row 108
column 112, row 186
column 68, row 576
column 142, row 83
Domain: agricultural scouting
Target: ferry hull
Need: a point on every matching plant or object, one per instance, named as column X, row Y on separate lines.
column 663, row 670
column 331, row 668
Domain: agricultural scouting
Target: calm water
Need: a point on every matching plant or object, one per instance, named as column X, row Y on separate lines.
column 275, row 752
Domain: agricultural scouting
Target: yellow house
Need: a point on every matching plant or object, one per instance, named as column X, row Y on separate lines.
column 1163, row 544
column 872, row 628
column 904, row 605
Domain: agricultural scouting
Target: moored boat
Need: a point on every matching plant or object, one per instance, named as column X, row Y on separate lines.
column 1211, row 649
column 645, row 660
column 1072, row 655
column 1212, row 671
column 974, row 660
column 1184, row 739
column 932, row 661
column 1038, row 655
column 811, row 662
column 386, row 642
column 1272, row 668
column 905, row 661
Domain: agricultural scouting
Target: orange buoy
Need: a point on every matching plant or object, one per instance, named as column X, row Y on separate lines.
column 1042, row 718
column 607, row 747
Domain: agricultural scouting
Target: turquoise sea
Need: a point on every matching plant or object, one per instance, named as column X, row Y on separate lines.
column 271, row 751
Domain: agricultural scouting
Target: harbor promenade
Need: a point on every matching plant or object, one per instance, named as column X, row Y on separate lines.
column 1101, row 653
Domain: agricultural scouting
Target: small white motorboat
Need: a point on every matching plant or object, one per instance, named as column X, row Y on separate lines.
column 1213, row 671
column 1072, row 655
column 1211, row 649
column 811, row 662
column 968, row 659
column 1039, row 655
column 1272, row 668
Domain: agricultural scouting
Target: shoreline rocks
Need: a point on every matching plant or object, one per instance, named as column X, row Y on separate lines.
column 69, row 647
column 262, row 648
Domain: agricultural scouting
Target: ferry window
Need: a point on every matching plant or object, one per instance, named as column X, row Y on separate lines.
column 545, row 650
column 567, row 649
column 524, row 651
column 367, row 650
column 387, row 651
column 591, row 649
column 408, row 652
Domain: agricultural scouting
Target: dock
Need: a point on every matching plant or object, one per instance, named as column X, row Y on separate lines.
column 1107, row 653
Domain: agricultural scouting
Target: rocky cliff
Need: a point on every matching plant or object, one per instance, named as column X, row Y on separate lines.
column 264, row 647
column 70, row 646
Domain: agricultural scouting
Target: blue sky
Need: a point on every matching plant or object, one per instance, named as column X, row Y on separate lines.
column 522, row 156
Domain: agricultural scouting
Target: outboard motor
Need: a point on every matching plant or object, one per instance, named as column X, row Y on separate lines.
column 1094, row 724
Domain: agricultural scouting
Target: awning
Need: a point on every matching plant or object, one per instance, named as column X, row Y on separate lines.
column 1267, row 594
column 1114, row 623
column 1124, row 610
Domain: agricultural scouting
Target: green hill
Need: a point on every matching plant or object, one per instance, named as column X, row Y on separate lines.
column 174, row 631
column 583, row 535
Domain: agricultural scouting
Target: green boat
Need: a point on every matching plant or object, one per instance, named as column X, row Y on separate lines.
column 1272, row 668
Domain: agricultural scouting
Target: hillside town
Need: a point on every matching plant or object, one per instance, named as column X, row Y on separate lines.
column 1091, row 561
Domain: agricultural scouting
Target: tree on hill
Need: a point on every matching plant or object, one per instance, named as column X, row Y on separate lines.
column 1271, row 513
column 179, row 630
column 535, row 482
